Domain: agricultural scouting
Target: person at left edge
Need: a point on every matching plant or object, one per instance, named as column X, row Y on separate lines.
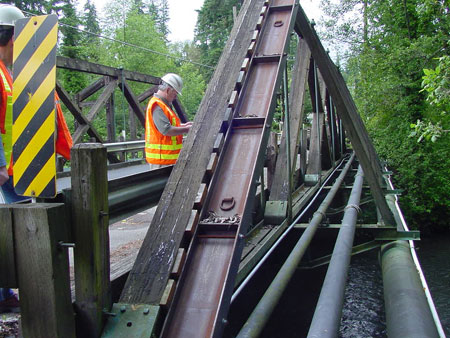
column 8, row 15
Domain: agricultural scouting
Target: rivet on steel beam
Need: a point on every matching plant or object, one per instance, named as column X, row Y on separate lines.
column 146, row 311
column 103, row 213
column 123, row 308
column 224, row 321
column 241, row 236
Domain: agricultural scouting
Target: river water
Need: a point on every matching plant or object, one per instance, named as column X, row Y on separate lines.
column 363, row 313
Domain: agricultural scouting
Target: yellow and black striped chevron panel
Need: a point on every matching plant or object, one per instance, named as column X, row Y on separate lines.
column 34, row 70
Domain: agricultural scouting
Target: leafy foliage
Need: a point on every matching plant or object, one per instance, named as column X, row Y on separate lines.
column 389, row 43
column 436, row 83
column 214, row 23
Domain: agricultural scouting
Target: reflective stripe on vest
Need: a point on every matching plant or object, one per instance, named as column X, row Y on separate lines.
column 161, row 149
column 6, row 115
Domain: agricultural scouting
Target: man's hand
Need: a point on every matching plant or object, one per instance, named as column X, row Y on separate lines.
column 182, row 129
column 3, row 175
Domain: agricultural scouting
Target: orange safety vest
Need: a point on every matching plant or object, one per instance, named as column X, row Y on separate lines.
column 63, row 138
column 63, row 142
column 6, row 115
column 161, row 149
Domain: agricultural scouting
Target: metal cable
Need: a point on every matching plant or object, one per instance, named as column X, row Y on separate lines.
column 132, row 45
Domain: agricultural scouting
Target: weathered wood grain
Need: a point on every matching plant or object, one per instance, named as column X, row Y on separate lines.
column 280, row 187
column 90, row 230
column 7, row 261
column 43, row 270
column 346, row 108
column 148, row 278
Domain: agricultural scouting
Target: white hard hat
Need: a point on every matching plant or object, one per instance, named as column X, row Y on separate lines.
column 9, row 14
column 174, row 81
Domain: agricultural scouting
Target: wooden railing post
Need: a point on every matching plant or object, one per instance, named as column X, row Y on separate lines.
column 7, row 261
column 90, row 228
column 42, row 265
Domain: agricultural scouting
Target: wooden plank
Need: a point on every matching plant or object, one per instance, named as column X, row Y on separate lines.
column 95, row 109
column 168, row 294
column 104, row 96
column 325, row 133
column 7, row 261
column 94, row 68
column 201, row 196
column 233, row 99
column 212, row 164
column 347, row 111
column 240, row 80
column 303, row 149
column 314, row 158
column 76, row 112
column 111, row 118
column 91, row 89
column 43, row 270
column 192, row 223
column 178, row 264
column 148, row 278
column 218, row 143
column 245, row 65
column 90, row 228
column 255, row 35
column 280, row 188
column 251, row 49
column 271, row 158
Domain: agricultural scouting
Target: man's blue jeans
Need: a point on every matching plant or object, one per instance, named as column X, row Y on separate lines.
column 9, row 194
column 5, row 293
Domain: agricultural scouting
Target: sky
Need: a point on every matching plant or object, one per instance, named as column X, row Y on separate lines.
column 183, row 15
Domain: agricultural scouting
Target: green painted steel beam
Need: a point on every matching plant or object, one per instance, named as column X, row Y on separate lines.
column 357, row 249
column 129, row 320
column 394, row 235
column 275, row 212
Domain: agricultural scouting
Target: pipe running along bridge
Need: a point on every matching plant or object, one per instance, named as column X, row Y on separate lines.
column 234, row 196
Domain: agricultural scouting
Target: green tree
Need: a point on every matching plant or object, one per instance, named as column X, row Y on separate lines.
column 388, row 45
column 214, row 23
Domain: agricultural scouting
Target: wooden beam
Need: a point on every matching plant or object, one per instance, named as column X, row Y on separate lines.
column 347, row 111
column 43, row 270
column 280, row 187
column 99, row 104
column 7, row 261
column 77, row 114
column 90, row 227
column 150, row 273
column 91, row 89
column 314, row 159
column 111, row 116
column 94, row 68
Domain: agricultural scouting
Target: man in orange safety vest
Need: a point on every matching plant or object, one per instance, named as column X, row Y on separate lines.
column 163, row 128
column 8, row 15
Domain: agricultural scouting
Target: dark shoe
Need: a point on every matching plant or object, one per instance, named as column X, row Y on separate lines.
column 10, row 304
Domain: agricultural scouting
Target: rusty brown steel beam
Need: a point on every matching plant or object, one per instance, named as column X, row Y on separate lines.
column 204, row 290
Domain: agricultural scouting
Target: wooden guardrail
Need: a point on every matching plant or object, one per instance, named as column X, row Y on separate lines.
column 34, row 242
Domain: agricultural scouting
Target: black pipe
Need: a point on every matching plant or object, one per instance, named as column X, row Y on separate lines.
column 327, row 316
column 261, row 314
column 407, row 310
